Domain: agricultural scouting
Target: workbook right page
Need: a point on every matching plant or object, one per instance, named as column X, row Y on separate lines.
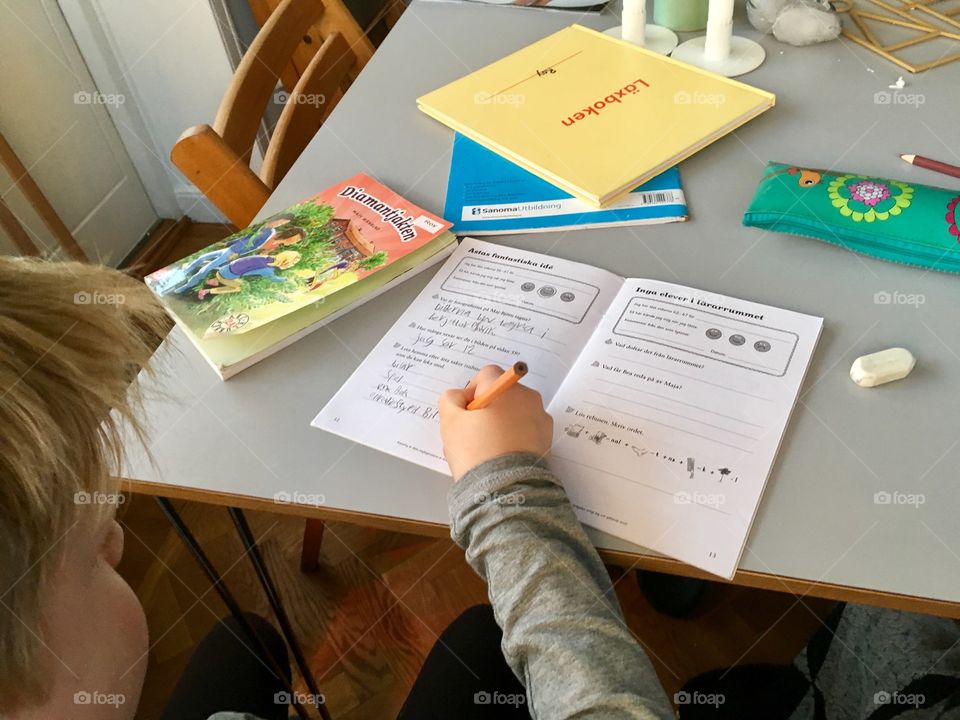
column 669, row 422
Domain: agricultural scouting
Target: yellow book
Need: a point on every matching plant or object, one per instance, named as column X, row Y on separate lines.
column 592, row 114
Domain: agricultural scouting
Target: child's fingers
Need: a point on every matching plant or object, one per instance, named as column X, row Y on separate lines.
column 459, row 398
column 483, row 379
column 454, row 399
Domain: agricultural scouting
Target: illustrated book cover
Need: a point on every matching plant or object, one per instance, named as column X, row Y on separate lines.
column 265, row 286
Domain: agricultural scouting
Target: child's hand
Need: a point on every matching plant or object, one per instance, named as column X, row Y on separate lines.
column 514, row 422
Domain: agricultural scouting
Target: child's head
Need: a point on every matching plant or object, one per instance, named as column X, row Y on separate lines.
column 286, row 259
column 278, row 220
column 72, row 337
column 288, row 235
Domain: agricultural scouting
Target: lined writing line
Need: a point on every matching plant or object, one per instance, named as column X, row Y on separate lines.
column 676, row 414
column 672, row 427
column 697, row 407
column 691, row 377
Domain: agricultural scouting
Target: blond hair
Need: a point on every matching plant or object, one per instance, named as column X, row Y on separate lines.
column 286, row 259
column 72, row 337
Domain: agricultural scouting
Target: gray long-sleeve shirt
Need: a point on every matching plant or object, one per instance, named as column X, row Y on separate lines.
column 565, row 638
column 563, row 632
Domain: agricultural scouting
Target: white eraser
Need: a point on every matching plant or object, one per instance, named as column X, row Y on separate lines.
column 882, row 367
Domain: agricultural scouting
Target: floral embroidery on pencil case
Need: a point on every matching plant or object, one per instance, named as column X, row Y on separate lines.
column 862, row 198
column 953, row 217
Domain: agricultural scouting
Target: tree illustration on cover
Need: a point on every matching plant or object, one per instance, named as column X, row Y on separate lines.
column 867, row 199
column 953, row 217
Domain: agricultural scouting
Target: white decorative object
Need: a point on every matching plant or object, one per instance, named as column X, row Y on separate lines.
column 882, row 367
column 796, row 22
column 721, row 51
column 634, row 28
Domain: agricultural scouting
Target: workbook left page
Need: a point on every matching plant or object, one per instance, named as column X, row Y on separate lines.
column 488, row 304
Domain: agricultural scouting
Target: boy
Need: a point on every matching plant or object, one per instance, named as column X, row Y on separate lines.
column 73, row 639
column 275, row 232
column 229, row 279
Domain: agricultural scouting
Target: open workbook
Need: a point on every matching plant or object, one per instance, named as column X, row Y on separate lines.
column 669, row 403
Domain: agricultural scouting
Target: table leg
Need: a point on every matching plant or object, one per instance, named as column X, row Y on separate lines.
column 276, row 603
column 310, row 547
column 218, row 584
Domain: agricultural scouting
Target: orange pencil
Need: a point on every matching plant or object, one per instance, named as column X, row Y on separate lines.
column 503, row 383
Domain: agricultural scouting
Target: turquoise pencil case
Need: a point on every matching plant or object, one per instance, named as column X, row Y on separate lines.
column 887, row 219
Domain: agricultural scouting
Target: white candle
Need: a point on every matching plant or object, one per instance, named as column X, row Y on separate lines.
column 719, row 30
column 634, row 21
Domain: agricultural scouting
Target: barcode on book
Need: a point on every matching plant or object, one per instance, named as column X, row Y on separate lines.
column 651, row 197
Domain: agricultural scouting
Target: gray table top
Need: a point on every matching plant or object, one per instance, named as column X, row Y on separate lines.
column 818, row 519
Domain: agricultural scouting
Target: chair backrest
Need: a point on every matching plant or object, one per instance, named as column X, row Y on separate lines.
column 336, row 17
column 216, row 158
column 307, row 107
column 16, row 232
column 22, row 179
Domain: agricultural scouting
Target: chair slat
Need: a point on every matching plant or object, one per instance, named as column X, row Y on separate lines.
column 308, row 106
column 18, row 234
column 238, row 117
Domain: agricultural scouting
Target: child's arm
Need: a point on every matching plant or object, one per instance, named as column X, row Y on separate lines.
column 563, row 632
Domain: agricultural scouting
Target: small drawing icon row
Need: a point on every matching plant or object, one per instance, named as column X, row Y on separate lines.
column 737, row 339
column 547, row 291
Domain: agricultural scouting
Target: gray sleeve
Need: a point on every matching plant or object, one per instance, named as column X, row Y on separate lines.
column 563, row 632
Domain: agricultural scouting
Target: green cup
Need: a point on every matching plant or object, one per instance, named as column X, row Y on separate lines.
column 681, row 15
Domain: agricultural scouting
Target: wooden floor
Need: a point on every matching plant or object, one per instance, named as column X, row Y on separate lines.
column 369, row 615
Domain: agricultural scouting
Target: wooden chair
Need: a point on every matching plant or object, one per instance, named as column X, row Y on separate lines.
column 217, row 158
column 38, row 201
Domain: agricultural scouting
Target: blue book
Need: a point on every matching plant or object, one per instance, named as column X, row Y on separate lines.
column 489, row 195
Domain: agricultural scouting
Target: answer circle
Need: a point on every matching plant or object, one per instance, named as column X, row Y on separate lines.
column 714, row 334
column 527, row 286
column 737, row 339
column 547, row 291
column 567, row 296
column 761, row 346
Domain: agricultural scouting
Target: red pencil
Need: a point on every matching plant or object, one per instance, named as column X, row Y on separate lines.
column 935, row 165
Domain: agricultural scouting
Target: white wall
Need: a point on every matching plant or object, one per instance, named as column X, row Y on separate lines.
column 65, row 139
column 168, row 58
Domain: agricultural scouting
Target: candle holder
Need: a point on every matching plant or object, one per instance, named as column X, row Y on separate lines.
column 656, row 38
column 721, row 51
column 634, row 29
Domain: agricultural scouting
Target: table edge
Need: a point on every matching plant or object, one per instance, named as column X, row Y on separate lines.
column 631, row 561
